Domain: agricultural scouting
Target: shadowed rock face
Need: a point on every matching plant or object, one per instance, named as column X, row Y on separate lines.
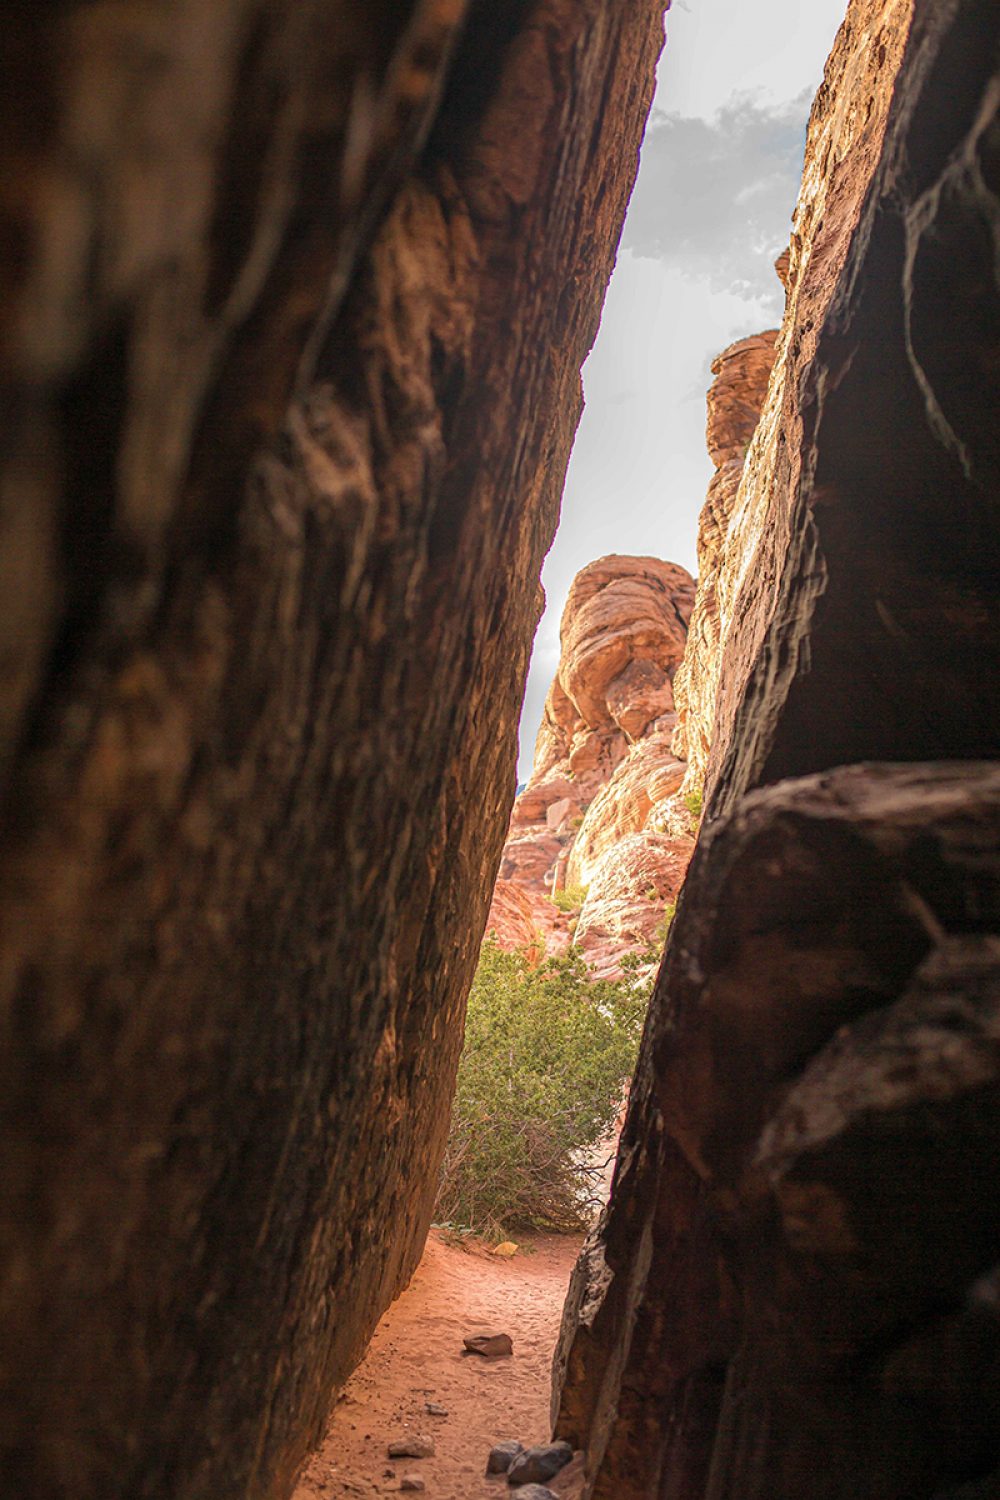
column 793, row 1292
column 297, row 300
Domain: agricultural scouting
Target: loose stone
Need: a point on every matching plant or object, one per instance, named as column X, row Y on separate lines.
column 417, row 1446
column 536, row 1465
column 503, row 1455
column 490, row 1345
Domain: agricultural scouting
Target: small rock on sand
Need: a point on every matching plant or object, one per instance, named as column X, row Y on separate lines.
column 414, row 1482
column 536, row 1492
column 434, row 1409
column 417, row 1446
column 535, row 1465
column 503, row 1455
column 490, row 1345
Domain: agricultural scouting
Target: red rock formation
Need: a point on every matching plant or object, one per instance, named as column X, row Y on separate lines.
column 297, row 295
column 604, row 771
column 735, row 400
column 607, row 809
column 522, row 917
column 794, row 1290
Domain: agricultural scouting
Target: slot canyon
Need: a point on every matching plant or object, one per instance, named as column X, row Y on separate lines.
column 296, row 295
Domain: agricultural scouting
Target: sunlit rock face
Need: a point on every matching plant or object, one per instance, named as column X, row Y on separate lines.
column 296, row 297
column 844, row 148
column 735, row 399
column 604, row 774
column 794, row 1289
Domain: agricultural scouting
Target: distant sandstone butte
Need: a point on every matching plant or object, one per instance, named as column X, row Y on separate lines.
column 604, row 775
column 610, row 808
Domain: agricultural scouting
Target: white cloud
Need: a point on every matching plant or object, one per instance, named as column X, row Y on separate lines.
column 714, row 197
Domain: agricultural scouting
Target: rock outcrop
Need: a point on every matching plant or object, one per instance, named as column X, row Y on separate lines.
column 735, row 401
column 599, row 815
column 610, row 809
column 296, row 299
column 793, row 1292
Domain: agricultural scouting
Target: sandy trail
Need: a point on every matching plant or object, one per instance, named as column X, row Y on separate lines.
column 415, row 1357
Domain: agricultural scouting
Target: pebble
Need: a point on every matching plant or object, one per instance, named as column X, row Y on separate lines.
column 435, row 1410
column 414, row 1482
column 417, row 1446
column 536, row 1492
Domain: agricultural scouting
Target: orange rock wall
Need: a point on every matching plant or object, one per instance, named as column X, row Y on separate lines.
column 296, row 299
column 794, row 1289
column 604, row 773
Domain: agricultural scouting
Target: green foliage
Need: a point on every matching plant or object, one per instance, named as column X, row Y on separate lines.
column 693, row 804
column 571, row 899
column 663, row 927
column 547, row 1054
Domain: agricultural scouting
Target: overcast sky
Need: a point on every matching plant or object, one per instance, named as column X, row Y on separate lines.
column 711, row 211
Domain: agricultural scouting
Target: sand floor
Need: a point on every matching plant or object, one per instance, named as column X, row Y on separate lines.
column 416, row 1357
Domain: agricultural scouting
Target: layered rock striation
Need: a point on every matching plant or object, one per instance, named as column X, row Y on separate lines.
column 794, row 1289
column 735, row 400
column 611, row 808
column 598, row 818
column 296, row 299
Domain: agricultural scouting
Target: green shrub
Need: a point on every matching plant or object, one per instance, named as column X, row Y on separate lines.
column 547, row 1054
column 663, row 926
column 571, row 899
column 693, row 804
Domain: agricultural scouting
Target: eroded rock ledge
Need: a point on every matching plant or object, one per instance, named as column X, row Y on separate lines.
column 298, row 298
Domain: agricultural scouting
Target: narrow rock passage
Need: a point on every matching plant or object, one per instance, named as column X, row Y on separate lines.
column 416, row 1357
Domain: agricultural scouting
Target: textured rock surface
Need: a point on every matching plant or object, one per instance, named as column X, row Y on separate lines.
column 794, row 1289
column 845, row 147
column 600, row 813
column 819, row 1193
column 880, row 635
column 281, row 281
column 735, row 400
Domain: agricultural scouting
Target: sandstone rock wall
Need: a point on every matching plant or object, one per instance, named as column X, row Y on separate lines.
column 599, row 815
column 735, row 401
column 744, row 531
column 793, row 1292
column 611, row 807
column 282, row 281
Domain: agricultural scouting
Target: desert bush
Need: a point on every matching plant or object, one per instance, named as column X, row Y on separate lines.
column 662, row 930
column 548, row 1052
column 570, row 899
